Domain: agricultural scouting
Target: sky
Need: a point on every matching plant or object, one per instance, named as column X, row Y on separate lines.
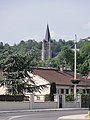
column 27, row 19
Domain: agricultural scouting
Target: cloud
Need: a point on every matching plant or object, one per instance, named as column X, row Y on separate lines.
column 87, row 25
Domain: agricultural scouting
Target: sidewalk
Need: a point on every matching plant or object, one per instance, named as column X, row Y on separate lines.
column 39, row 110
column 74, row 117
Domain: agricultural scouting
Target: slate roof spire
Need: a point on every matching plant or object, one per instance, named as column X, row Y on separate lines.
column 47, row 36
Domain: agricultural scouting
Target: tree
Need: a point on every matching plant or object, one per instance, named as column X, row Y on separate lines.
column 52, row 90
column 17, row 77
column 66, row 57
column 84, row 59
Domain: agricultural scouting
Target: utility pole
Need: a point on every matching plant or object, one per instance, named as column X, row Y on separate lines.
column 75, row 81
column 75, row 89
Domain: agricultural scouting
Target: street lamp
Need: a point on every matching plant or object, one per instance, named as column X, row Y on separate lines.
column 75, row 81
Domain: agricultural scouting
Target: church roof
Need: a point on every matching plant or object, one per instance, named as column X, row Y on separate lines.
column 47, row 36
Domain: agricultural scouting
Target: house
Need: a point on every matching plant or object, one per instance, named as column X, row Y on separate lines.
column 47, row 75
column 62, row 80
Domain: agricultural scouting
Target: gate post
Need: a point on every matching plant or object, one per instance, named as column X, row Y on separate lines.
column 63, row 100
column 80, row 100
column 58, row 100
column 31, row 100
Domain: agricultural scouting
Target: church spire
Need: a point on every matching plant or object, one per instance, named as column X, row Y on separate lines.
column 47, row 36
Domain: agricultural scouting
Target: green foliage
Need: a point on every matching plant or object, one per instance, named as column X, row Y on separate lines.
column 17, row 77
column 53, row 63
column 58, row 45
column 41, row 64
column 14, row 73
column 69, row 97
column 51, row 97
column 30, row 48
column 47, row 97
column 84, row 59
column 63, row 49
column 80, row 92
column 85, row 102
column 52, row 90
column 12, row 97
column 66, row 57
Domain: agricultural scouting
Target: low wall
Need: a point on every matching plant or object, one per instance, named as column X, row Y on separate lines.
column 26, row 105
column 71, row 105
column 14, row 105
column 46, row 105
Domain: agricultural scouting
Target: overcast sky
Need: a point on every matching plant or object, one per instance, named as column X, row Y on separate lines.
column 27, row 19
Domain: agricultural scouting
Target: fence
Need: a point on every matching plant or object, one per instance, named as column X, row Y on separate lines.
column 36, row 104
column 71, row 104
column 25, row 105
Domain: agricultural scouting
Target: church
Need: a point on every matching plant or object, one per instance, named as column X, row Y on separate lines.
column 47, row 46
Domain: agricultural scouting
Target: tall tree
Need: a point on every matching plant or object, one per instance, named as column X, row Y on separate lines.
column 66, row 57
column 17, row 77
column 52, row 90
column 84, row 59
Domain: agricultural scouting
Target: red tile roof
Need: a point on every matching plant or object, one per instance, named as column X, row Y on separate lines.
column 60, row 78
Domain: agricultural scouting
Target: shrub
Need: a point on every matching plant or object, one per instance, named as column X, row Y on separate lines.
column 69, row 97
column 11, row 97
column 47, row 97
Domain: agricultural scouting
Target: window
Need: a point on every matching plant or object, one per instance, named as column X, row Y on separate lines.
column 72, row 90
column 62, row 91
column 83, row 90
column 38, row 97
column 67, row 91
column 88, row 90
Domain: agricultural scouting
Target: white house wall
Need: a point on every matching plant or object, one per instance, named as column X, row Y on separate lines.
column 38, row 81
column 2, row 90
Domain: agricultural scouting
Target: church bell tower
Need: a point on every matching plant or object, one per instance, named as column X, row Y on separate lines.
column 47, row 46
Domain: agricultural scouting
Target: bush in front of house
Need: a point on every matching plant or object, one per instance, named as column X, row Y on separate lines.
column 11, row 97
column 47, row 97
column 69, row 97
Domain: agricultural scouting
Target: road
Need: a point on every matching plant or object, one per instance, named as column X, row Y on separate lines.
column 45, row 115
